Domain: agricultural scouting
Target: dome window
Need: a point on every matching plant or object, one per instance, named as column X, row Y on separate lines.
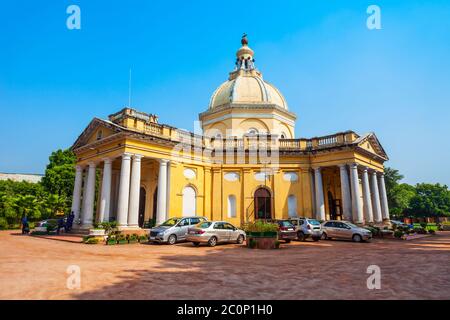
column 252, row 131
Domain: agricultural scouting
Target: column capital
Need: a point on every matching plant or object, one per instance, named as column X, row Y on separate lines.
column 353, row 165
column 342, row 166
column 163, row 162
column 137, row 157
column 107, row 160
column 79, row 167
column 317, row 169
column 92, row 164
column 126, row 156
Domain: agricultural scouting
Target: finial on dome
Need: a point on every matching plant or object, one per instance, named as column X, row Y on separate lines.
column 244, row 39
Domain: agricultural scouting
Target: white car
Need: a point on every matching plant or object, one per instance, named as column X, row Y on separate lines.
column 214, row 232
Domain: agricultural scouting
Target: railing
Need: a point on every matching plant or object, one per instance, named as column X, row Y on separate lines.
column 249, row 142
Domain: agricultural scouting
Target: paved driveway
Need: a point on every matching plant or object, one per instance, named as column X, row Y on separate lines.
column 35, row 268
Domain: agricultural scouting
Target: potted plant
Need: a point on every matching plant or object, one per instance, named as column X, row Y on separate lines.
column 111, row 240
column 133, row 238
column 262, row 235
column 122, row 239
column 143, row 238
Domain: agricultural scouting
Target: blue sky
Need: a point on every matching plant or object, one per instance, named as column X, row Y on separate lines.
column 335, row 73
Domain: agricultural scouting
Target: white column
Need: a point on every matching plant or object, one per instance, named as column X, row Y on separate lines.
column 357, row 209
column 375, row 198
column 368, row 213
column 88, row 210
column 76, row 198
column 383, row 197
column 320, row 203
column 345, row 193
column 105, row 197
column 135, row 184
column 124, row 191
column 162, row 192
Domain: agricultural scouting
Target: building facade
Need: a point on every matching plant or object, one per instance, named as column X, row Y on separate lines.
column 245, row 164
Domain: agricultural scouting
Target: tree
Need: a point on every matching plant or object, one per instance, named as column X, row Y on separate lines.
column 27, row 205
column 430, row 200
column 53, row 204
column 400, row 198
column 60, row 173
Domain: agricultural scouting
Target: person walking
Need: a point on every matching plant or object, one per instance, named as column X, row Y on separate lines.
column 25, row 225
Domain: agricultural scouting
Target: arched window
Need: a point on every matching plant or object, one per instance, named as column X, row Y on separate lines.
column 252, row 131
column 292, row 206
column 189, row 202
column 231, row 206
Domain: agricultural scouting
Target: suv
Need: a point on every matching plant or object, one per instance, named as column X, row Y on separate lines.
column 286, row 230
column 306, row 228
column 345, row 230
column 173, row 230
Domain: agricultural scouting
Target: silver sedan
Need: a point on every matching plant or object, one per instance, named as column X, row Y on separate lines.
column 214, row 232
column 344, row 230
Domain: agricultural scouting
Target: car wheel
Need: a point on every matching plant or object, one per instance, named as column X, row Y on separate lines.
column 172, row 239
column 196, row 244
column 357, row 238
column 240, row 239
column 212, row 241
column 315, row 239
column 301, row 236
column 324, row 236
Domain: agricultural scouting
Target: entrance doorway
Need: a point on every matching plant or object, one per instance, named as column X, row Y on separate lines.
column 142, row 200
column 335, row 207
column 263, row 204
column 155, row 204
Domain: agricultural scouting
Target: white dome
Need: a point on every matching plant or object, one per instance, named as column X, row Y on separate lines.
column 247, row 88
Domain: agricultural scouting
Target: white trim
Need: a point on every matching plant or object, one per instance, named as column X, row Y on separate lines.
column 249, row 115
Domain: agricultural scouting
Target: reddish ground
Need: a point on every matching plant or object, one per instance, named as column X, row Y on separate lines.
column 35, row 268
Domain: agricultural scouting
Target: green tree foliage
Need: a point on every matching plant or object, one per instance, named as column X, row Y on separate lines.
column 39, row 200
column 430, row 200
column 60, row 173
column 422, row 200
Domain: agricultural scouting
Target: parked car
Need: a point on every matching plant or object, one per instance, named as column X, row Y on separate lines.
column 173, row 230
column 286, row 230
column 307, row 228
column 344, row 230
column 46, row 225
column 214, row 232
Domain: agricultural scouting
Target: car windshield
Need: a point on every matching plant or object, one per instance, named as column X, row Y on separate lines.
column 170, row 223
column 204, row 225
column 314, row 222
column 351, row 225
column 285, row 224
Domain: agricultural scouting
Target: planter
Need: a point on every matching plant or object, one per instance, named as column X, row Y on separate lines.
column 124, row 241
column 133, row 241
column 263, row 243
column 111, row 242
column 263, row 234
column 96, row 232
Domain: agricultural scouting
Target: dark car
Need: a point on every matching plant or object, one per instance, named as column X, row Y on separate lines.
column 286, row 230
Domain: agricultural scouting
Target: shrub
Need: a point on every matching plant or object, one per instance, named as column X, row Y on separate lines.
column 3, row 223
column 253, row 243
column 398, row 234
column 91, row 241
column 277, row 244
column 261, row 226
column 431, row 231
column 143, row 238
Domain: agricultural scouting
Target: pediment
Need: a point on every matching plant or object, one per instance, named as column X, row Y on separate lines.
column 370, row 143
column 96, row 130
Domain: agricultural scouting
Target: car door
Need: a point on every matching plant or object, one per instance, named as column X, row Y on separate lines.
column 182, row 229
column 330, row 229
column 345, row 231
column 231, row 232
column 220, row 232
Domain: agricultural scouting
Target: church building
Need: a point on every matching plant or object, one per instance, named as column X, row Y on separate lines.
column 244, row 164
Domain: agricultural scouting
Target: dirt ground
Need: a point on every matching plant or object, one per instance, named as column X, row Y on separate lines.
column 35, row 268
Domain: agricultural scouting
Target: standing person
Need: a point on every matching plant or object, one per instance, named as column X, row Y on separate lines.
column 69, row 221
column 25, row 225
column 60, row 224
